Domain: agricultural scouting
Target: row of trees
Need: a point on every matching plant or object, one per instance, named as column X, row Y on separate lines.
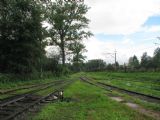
column 100, row 65
column 23, row 39
column 147, row 62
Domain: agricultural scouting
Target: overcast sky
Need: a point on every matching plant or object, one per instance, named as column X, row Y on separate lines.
column 129, row 26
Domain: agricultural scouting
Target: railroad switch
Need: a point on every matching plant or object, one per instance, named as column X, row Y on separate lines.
column 56, row 96
column 60, row 95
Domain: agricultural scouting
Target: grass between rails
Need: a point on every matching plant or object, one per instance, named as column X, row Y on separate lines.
column 147, row 83
column 141, row 82
column 19, row 92
column 87, row 103
column 9, row 85
column 51, row 89
column 145, row 104
column 23, row 91
column 19, row 83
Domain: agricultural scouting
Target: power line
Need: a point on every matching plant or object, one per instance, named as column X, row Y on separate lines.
column 114, row 55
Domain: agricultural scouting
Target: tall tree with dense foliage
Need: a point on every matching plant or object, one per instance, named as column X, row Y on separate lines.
column 21, row 36
column 156, row 58
column 146, row 61
column 133, row 62
column 68, row 22
column 77, row 49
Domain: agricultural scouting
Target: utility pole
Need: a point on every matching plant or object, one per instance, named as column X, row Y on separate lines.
column 115, row 57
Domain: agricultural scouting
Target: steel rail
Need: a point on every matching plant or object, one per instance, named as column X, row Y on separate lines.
column 148, row 98
column 36, row 102
column 13, row 99
column 25, row 87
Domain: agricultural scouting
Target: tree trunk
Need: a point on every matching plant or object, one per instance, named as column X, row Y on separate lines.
column 63, row 51
column 63, row 56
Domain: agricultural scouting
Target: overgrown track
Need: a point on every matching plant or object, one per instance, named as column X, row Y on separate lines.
column 22, row 88
column 9, row 110
column 38, row 88
column 145, row 97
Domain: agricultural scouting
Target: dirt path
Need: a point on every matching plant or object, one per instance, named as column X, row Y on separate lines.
column 140, row 109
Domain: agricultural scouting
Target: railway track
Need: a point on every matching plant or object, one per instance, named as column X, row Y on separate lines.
column 36, row 88
column 22, row 88
column 17, row 92
column 5, row 101
column 11, row 108
column 145, row 97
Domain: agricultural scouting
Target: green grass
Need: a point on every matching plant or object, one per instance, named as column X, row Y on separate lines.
column 87, row 103
column 147, row 83
column 9, row 85
column 145, row 104
column 19, row 92
column 20, row 83
column 50, row 89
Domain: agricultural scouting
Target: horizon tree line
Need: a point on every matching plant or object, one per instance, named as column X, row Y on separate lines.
column 146, row 63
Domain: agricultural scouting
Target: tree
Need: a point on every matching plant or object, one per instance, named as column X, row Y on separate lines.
column 110, row 67
column 95, row 65
column 21, row 35
column 77, row 50
column 68, row 22
column 146, row 61
column 156, row 58
column 133, row 62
